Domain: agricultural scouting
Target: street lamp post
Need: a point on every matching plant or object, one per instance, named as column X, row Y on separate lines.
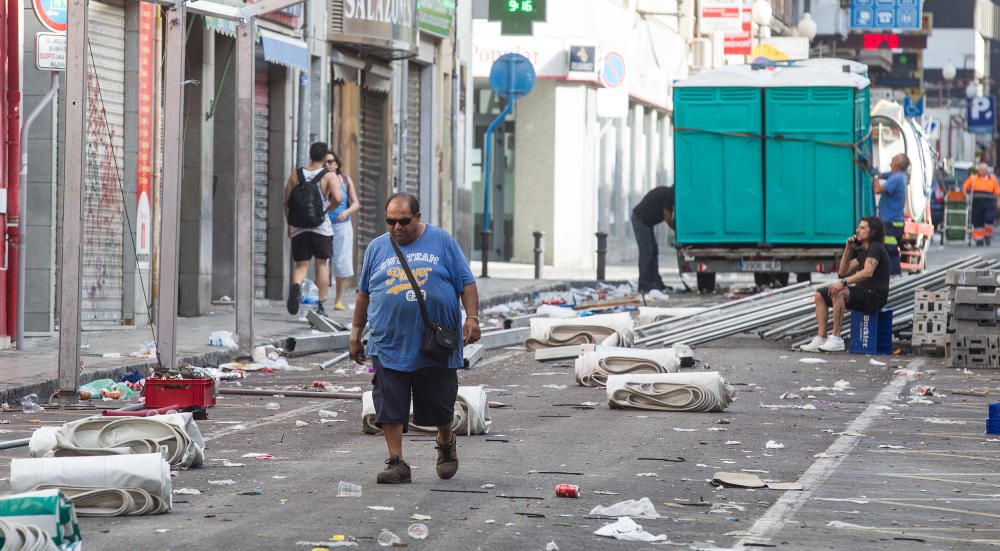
column 949, row 72
column 761, row 13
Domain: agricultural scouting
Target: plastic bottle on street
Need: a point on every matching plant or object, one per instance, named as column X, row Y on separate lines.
column 310, row 292
column 272, row 406
column 29, row 404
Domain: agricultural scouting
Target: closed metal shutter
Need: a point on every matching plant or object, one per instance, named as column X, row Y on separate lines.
column 261, row 143
column 412, row 180
column 101, row 280
column 372, row 174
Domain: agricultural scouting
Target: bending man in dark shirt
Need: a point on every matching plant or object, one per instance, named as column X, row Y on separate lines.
column 864, row 269
column 655, row 207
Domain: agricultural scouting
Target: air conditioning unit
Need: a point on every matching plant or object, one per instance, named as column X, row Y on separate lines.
column 701, row 54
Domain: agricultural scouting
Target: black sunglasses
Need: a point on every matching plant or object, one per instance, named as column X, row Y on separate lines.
column 401, row 221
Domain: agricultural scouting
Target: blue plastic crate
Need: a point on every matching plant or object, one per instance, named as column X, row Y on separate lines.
column 871, row 333
column 993, row 419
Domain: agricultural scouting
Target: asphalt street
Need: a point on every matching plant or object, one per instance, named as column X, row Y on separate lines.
column 880, row 468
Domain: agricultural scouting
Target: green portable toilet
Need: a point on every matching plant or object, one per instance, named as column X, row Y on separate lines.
column 814, row 189
column 718, row 156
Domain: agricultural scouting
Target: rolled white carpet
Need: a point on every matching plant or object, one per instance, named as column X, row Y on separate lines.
column 695, row 392
column 649, row 314
column 472, row 413
column 550, row 332
column 594, row 367
column 102, row 485
column 177, row 433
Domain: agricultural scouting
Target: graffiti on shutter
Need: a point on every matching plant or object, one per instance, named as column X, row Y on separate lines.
column 260, row 173
column 101, row 280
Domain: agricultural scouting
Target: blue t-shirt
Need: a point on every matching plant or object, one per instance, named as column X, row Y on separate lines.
column 890, row 205
column 394, row 322
column 345, row 198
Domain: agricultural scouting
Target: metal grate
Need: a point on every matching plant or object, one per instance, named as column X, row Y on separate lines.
column 412, row 182
column 336, row 15
column 101, row 283
column 261, row 145
column 372, row 169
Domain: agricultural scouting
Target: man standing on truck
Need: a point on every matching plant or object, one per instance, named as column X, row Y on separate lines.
column 655, row 207
column 864, row 284
column 983, row 190
column 891, row 208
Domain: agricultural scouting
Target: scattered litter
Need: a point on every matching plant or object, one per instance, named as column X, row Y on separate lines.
column 684, row 430
column 254, row 492
column 555, row 387
column 258, row 455
column 787, row 406
column 726, row 508
column 917, row 400
column 648, row 474
column 737, row 480
column 272, row 406
column 774, row 445
column 842, row 385
column 327, row 413
column 346, row 489
column 733, row 443
column 605, row 493
column 162, row 530
column 301, row 423
column 873, row 361
column 228, row 463
column 790, row 396
column 279, row 477
column 488, row 486
column 642, row 508
column 848, row 500
column 891, row 447
column 717, row 429
column 922, row 390
column 418, row 516
column 910, row 374
column 417, row 531
column 551, row 546
column 388, row 539
column 812, row 360
column 626, row 529
column 223, row 339
column 839, row 524
column 188, row 492
column 381, row 508
column 784, row 486
column 225, row 482
column 321, row 545
column 938, row 421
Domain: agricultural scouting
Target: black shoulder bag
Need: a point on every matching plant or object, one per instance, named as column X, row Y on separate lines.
column 438, row 342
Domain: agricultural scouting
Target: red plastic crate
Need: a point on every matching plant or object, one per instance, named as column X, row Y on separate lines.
column 184, row 393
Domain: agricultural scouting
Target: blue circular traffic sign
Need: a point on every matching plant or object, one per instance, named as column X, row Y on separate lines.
column 52, row 14
column 512, row 76
column 613, row 70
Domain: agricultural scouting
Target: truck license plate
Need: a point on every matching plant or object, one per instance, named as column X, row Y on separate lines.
column 760, row 265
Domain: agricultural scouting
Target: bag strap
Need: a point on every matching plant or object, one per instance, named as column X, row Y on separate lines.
column 301, row 173
column 413, row 282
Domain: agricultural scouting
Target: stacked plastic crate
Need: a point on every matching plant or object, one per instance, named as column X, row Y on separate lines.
column 930, row 321
column 974, row 330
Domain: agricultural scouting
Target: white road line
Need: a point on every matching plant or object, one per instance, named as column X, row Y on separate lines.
column 775, row 518
column 231, row 429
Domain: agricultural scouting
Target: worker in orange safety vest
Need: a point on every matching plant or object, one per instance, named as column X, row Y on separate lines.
column 983, row 189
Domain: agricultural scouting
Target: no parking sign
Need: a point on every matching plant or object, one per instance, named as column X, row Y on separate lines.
column 613, row 70
column 52, row 14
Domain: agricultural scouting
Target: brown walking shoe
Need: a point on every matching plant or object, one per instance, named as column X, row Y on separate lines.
column 395, row 472
column 447, row 463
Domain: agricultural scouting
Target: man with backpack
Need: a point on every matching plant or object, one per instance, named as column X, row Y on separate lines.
column 309, row 192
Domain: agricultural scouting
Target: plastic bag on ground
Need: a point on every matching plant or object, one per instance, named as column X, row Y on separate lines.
column 310, row 292
column 626, row 529
column 641, row 508
column 222, row 338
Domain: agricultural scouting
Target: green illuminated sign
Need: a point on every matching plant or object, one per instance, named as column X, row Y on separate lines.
column 517, row 16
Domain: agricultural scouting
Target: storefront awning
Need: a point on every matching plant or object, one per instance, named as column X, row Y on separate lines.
column 285, row 50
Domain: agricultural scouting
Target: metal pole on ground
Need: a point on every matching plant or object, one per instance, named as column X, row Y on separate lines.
column 602, row 254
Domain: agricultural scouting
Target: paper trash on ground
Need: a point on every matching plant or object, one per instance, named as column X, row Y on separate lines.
column 626, row 529
column 642, row 508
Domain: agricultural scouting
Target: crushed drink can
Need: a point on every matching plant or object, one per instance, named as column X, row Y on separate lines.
column 567, row 490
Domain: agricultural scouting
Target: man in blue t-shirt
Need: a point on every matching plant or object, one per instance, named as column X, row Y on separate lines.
column 891, row 207
column 387, row 303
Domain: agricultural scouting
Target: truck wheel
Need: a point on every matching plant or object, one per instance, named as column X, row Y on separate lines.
column 706, row 282
column 803, row 276
column 781, row 279
column 762, row 279
column 770, row 279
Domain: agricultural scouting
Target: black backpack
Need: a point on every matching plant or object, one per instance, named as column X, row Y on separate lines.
column 305, row 203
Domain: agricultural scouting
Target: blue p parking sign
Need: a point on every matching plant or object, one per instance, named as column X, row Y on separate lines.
column 982, row 114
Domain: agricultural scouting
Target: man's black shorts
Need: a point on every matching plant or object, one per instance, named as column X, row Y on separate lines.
column 434, row 390
column 309, row 245
column 860, row 300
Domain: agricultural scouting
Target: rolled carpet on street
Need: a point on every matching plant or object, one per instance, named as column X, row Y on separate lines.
column 595, row 366
column 552, row 332
column 27, row 519
column 103, row 485
column 472, row 413
column 693, row 392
